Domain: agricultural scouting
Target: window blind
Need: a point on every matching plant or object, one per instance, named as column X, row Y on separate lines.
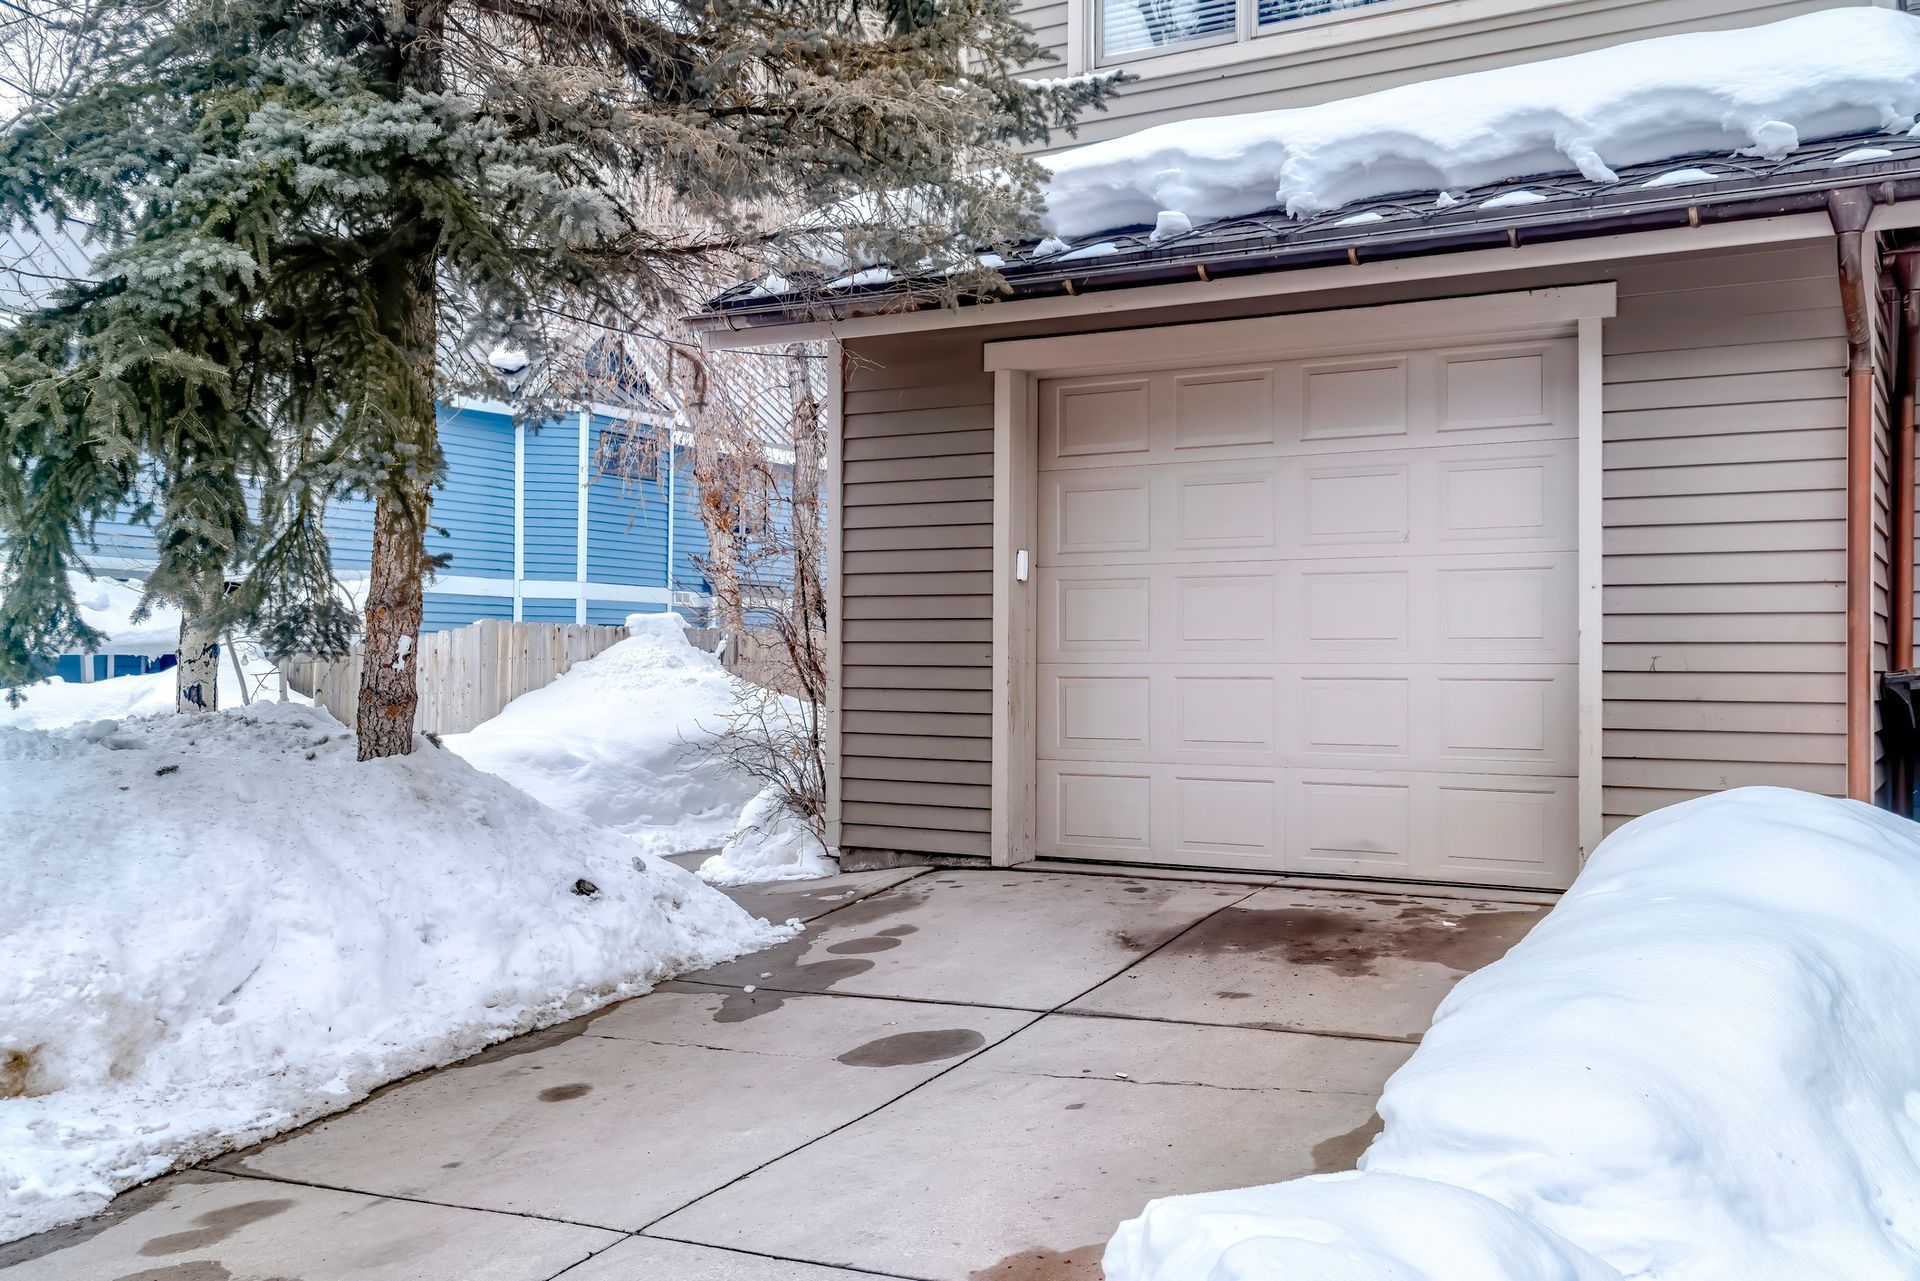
column 1148, row 26
column 1274, row 11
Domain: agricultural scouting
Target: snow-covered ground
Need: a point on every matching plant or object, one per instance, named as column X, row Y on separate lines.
column 55, row 703
column 108, row 605
column 616, row 741
column 1703, row 1065
column 771, row 844
column 1759, row 91
column 213, row 928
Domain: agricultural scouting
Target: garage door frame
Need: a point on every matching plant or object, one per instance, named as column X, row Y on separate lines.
column 1019, row 365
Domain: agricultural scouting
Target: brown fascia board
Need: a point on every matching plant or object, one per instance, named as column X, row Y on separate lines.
column 1607, row 213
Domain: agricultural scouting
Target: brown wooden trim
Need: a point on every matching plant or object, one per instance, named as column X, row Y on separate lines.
column 1907, row 270
column 1849, row 210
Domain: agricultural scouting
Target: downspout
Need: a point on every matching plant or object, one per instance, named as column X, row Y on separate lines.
column 1849, row 210
column 1907, row 273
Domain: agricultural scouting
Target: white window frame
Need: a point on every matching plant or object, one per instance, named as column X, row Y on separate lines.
column 1299, row 36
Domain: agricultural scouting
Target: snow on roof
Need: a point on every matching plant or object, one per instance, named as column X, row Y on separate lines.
column 1756, row 91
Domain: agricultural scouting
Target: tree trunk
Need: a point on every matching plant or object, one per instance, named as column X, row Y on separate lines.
column 406, row 290
column 717, row 512
column 389, row 693
column 809, row 594
column 196, row 681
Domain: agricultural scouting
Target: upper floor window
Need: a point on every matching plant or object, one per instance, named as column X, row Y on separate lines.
column 1130, row 29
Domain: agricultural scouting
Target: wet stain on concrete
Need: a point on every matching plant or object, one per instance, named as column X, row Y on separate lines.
column 449, row 1165
column 119, row 1210
column 1135, row 889
column 738, row 1007
column 883, row 940
column 193, row 1270
column 1351, row 943
column 546, row 1038
column 1342, row 1152
column 562, row 1093
column 215, row 1226
column 784, row 967
column 906, row 1048
column 789, row 972
column 861, row 946
column 1082, row 1263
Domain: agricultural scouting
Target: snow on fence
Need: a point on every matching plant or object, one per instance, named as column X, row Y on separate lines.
column 466, row 675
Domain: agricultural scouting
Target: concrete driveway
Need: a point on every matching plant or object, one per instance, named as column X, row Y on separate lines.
column 953, row 1075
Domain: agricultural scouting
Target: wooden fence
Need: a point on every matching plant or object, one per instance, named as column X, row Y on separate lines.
column 466, row 675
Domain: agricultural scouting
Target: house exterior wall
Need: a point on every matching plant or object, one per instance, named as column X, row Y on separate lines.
column 634, row 528
column 1723, row 551
column 916, row 574
column 1376, row 46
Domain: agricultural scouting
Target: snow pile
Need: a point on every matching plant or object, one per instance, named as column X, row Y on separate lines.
column 1704, row 1063
column 218, row 927
column 772, row 844
column 1759, row 91
column 612, row 741
column 55, row 703
column 108, row 605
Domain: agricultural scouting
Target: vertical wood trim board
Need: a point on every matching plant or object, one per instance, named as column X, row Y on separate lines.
column 831, row 497
column 1591, row 532
column 1014, row 482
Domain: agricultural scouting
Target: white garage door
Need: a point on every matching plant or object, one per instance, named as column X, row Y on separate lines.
column 1313, row 615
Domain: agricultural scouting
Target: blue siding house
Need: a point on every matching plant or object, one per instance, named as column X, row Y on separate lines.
column 533, row 526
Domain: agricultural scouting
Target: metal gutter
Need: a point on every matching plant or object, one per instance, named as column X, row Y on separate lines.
column 1608, row 213
column 1850, row 208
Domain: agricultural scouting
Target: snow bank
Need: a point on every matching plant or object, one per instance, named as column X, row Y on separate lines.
column 215, row 928
column 1703, row 1064
column 771, row 844
column 611, row 741
column 1761, row 90
column 55, row 703
column 108, row 605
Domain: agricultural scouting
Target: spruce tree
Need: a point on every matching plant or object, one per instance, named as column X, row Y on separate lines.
column 312, row 211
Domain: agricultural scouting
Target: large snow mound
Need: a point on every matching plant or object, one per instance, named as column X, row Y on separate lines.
column 1759, row 91
column 218, row 927
column 1703, row 1065
column 614, row 741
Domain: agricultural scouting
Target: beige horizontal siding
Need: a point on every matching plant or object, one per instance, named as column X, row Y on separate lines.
column 917, row 598
column 1048, row 21
column 1299, row 68
column 1725, row 513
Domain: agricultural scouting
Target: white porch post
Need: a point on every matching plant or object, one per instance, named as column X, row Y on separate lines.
column 519, row 517
column 580, row 542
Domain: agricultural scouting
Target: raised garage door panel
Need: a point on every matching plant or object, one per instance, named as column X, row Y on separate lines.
column 1313, row 615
